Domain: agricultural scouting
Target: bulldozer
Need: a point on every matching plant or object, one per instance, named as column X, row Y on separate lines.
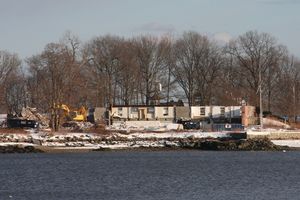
column 79, row 115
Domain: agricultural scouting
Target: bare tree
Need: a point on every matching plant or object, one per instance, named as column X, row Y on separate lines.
column 208, row 72
column 53, row 71
column 197, row 65
column 17, row 94
column 151, row 55
column 128, row 73
column 253, row 52
column 287, row 100
column 9, row 66
column 112, row 70
column 187, row 51
column 230, row 88
column 102, row 53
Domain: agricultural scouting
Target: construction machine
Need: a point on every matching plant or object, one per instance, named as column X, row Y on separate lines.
column 74, row 115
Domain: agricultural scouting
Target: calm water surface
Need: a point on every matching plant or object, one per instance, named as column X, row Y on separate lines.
column 131, row 175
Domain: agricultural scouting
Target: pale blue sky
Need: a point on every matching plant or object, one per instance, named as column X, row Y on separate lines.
column 26, row 26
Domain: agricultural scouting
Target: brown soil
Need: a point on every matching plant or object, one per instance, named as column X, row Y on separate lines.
column 13, row 130
column 295, row 125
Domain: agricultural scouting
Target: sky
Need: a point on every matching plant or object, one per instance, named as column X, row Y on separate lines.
column 26, row 26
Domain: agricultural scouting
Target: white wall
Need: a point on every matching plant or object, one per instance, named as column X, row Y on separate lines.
column 195, row 111
column 233, row 111
column 159, row 112
column 215, row 111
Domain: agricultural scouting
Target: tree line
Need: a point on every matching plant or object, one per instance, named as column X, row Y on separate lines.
column 110, row 70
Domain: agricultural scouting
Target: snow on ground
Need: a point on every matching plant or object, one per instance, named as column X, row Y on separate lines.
column 16, row 143
column 129, row 126
column 194, row 134
column 94, row 141
column 289, row 143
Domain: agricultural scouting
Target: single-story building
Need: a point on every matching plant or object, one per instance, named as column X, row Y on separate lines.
column 143, row 112
column 234, row 114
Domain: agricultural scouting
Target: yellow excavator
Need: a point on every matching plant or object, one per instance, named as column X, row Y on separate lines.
column 74, row 115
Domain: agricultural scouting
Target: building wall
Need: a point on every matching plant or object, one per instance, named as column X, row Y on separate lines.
column 99, row 113
column 195, row 112
column 143, row 112
column 214, row 111
column 248, row 115
column 162, row 113
column 209, row 111
column 233, row 111
column 182, row 112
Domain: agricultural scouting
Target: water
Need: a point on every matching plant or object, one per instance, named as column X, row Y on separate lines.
column 151, row 175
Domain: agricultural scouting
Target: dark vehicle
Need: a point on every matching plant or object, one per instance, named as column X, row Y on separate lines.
column 22, row 123
column 227, row 127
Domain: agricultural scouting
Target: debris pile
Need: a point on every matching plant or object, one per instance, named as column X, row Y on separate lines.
column 29, row 113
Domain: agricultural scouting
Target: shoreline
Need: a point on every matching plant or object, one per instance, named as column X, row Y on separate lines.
column 195, row 145
column 152, row 141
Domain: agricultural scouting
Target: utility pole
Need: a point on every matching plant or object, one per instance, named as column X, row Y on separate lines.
column 260, row 101
column 294, row 106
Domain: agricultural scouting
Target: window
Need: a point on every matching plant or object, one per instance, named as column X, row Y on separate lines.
column 134, row 110
column 222, row 111
column 166, row 111
column 202, row 111
column 150, row 110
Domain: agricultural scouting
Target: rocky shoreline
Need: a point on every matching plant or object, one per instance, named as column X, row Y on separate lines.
column 207, row 144
column 259, row 144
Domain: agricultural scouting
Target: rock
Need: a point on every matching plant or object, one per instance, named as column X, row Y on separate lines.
column 262, row 144
column 258, row 144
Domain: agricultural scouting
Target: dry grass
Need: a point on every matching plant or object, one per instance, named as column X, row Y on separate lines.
column 99, row 129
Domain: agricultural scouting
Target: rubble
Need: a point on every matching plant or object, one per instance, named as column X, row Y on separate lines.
column 76, row 126
column 29, row 113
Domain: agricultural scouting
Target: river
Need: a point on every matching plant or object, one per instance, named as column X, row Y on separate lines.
column 145, row 175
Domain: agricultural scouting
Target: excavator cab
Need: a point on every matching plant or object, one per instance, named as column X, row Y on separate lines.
column 74, row 115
